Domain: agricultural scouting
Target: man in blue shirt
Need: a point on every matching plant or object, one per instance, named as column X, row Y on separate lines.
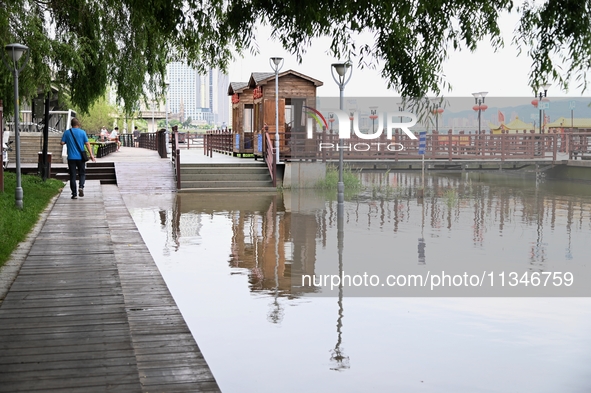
column 76, row 140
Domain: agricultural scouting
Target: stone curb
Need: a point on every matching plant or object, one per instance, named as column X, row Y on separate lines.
column 11, row 268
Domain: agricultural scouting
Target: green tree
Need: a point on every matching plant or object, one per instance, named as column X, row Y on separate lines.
column 84, row 46
column 187, row 122
column 99, row 114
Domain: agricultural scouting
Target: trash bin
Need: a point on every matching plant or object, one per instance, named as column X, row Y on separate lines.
column 44, row 171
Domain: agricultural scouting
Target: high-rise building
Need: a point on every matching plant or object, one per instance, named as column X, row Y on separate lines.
column 204, row 97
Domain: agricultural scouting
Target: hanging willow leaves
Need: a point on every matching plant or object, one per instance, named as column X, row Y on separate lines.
column 83, row 46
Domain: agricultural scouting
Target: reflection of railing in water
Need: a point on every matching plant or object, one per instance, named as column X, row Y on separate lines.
column 275, row 247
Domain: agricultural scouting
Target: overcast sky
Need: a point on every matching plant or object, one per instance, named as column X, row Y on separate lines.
column 500, row 74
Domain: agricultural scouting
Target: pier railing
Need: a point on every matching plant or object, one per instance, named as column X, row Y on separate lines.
column 154, row 141
column 324, row 146
column 219, row 141
column 578, row 145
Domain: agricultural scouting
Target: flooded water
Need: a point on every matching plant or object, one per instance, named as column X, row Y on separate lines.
column 234, row 264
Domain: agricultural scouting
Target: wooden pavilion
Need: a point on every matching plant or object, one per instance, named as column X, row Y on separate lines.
column 253, row 109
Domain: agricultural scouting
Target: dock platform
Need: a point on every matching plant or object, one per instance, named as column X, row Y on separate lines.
column 89, row 310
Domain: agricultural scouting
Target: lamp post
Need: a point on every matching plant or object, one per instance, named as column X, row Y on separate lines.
column 373, row 116
column 341, row 70
column 479, row 107
column 166, row 85
column 331, row 120
column 537, row 103
column 276, row 64
column 153, row 121
column 436, row 110
column 14, row 52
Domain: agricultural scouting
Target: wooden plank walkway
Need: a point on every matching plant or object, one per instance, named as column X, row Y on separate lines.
column 89, row 310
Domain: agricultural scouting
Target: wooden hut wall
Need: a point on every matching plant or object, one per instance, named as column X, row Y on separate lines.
column 238, row 119
column 290, row 87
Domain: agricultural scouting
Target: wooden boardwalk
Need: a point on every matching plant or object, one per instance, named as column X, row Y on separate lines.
column 89, row 310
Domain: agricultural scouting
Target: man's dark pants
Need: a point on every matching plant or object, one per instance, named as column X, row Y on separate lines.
column 74, row 165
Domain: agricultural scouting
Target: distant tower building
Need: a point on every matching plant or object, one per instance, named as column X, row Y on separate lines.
column 204, row 97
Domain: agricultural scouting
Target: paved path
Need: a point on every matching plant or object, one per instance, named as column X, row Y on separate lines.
column 89, row 310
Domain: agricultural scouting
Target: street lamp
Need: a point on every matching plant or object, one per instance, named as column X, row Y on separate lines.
column 331, row 120
column 437, row 110
column 166, row 85
column 276, row 64
column 537, row 103
column 153, row 121
column 341, row 70
column 373, row 116
column 479, row 107
column 14, row 52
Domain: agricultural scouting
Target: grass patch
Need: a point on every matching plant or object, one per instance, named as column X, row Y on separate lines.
column 350, row 179
column 16, row 224
column 451, row 197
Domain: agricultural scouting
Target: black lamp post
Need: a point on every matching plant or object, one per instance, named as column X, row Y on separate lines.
column 480, row 106
column 538, row 103
column 437, row 110
column 15, row 52
column 373, row 116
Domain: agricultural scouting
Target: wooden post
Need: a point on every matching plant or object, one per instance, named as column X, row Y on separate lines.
column 449, row 142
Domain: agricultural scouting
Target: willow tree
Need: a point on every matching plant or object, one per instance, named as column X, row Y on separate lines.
column 84, row 46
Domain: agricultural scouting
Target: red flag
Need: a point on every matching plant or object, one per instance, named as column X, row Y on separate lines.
column 501, row 117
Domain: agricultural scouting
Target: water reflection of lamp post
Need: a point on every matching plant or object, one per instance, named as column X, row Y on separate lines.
column 276, row 64
column 337, row 355
column 341, row 70
column 422, row 244
column 276, row 313
column 15, row 51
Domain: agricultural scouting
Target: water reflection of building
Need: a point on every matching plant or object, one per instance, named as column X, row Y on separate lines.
column 270, row 243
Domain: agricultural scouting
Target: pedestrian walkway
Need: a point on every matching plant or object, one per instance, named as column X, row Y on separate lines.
column 89, row 310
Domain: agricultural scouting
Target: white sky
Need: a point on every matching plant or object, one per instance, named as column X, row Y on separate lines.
column 500, row 74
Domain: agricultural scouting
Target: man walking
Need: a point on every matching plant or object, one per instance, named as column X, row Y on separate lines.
column 76, row 140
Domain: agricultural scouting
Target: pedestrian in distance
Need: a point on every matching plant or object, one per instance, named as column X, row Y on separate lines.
column 136, row 137
column 104, row 134
column 114, row 137
column 76, row 141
